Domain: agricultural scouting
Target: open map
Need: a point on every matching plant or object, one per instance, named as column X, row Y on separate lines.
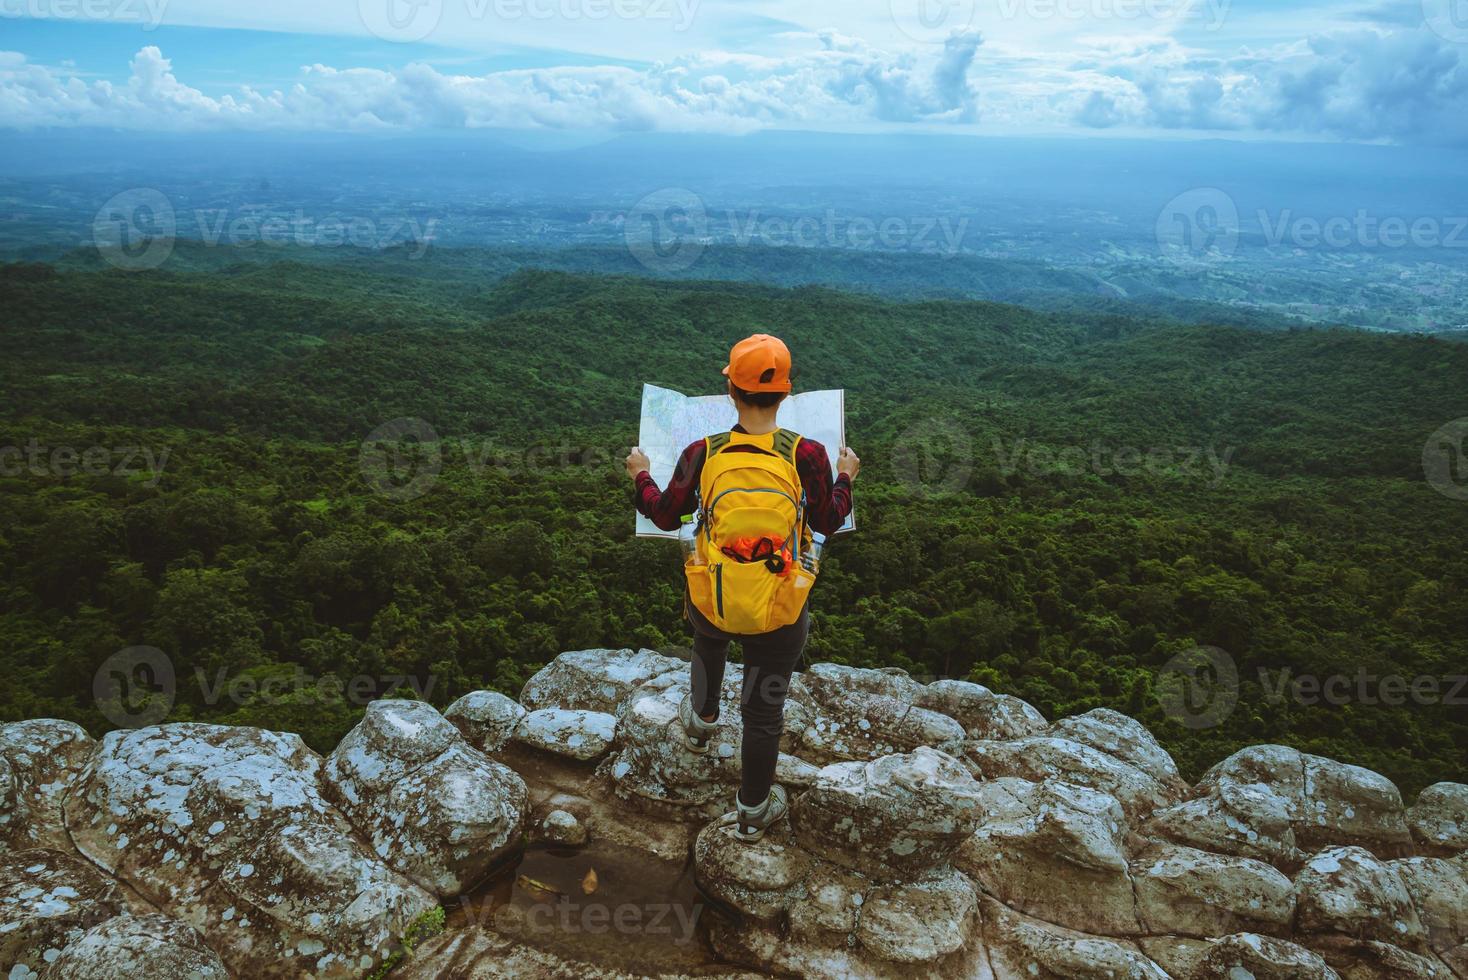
column 671, row 420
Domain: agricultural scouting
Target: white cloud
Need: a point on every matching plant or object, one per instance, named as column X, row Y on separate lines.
column 837, row 80
column 1408, row 86
column 1359, row 82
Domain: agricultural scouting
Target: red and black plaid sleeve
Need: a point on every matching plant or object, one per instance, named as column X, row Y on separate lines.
column 827, row 503
column 666, row 508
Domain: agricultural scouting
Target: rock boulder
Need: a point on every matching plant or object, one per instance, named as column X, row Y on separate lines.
column 155, row 947
column 1054, row 851
column 1439, row 818
column 899, row 815
column 433, row 807
column 486, row 719
column 38, row 762
column 595, row 680
column 1349, row 891
column 47, row 901
column 226, row 829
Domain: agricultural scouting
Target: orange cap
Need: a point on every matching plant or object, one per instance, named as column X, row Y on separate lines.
column 759, row 363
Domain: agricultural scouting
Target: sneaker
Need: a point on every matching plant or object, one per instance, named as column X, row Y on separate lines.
column 696, row 731
column 753, row 821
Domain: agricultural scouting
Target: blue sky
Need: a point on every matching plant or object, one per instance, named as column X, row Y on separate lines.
column 1373, row 71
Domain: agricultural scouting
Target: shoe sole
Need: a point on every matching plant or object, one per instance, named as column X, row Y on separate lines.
column 694, row 746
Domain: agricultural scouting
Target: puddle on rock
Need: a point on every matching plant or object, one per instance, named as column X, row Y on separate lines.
column 642, row 914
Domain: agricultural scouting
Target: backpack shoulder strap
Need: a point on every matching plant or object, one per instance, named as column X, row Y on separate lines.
column 718, row 441
column 785, row 443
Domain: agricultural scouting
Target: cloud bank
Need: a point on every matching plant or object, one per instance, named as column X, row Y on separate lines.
column 838, row 80
column 1374, row 83
column 1406, row 86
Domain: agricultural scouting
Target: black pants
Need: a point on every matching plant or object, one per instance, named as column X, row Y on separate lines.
column 769, row 660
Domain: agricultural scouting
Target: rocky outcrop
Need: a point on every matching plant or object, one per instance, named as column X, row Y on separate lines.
column 936, row 830
column 486, row 719
column 432, row 807
column 47, row 901
column 1278, row 804
column 1055, row 851
column 1038, row 757
column 581, row 735
column 227, row 830
column 595, row 680
column 154, row 946
column 38, row 762
column 1187, row 892
column 1439, row 819
column 1348, row 890
column 899, row 815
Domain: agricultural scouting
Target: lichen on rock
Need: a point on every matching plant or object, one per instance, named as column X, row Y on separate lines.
column 431, row 805
column 38, row 761
column 226, row 829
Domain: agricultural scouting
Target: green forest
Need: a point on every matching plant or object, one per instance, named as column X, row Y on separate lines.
column 1053, row 503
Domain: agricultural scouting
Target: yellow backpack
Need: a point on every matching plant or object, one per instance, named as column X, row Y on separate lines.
column 746, row 574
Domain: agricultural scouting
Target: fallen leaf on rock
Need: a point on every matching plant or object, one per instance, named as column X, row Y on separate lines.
column 589, row 883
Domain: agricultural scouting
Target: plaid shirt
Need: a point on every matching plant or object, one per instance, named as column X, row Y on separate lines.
column 827, row 503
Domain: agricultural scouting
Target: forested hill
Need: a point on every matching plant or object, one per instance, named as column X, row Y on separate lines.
column 1053, row 504
column 1148, row 290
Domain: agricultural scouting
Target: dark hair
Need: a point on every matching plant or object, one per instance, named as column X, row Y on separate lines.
column 758, row 399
